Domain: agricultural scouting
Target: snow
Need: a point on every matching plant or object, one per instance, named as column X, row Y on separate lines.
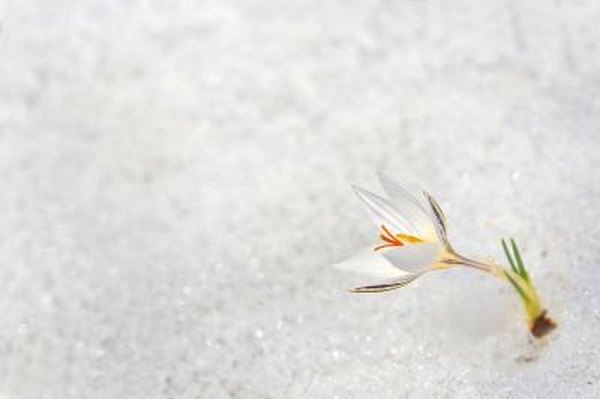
column 176, row 182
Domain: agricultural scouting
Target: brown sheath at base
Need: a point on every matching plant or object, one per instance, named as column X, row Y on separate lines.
column 542, row 325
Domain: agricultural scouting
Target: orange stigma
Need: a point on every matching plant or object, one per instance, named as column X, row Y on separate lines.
column 397, row 240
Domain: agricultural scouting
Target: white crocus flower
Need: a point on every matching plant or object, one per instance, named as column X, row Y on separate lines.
column 414, row 241
column 413, row 238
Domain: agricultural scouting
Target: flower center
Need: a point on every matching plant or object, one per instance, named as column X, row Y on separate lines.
column 395, row 240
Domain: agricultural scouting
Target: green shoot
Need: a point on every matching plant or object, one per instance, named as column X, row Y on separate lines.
column 509, row 257
column 518, row 277
column 519, row 261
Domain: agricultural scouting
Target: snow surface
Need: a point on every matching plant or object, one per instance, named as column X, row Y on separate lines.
column 175, row 182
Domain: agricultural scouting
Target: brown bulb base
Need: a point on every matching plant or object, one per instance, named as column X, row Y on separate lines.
column 542, row 325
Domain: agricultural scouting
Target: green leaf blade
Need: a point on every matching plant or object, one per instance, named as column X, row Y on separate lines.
column 519, row 261
column 509, row 257
column 519, row 290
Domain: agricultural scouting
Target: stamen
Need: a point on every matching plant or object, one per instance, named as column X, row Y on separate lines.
column 395, row 240
column 386, row 231
column 386, row 246
column 386, row 239
column 390, row 239
column 407, row 238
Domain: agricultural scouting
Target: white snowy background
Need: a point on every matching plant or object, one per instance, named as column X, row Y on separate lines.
column 174, row 182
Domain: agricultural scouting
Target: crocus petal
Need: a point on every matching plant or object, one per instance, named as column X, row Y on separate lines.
column 383, row 212
column 414, row 257
column 388, row 285
column 438, row 218
column 370, row 263
column 409, row 206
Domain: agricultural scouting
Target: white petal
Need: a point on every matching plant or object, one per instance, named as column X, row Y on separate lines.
column 438, row 218
column 383, row 212
column 403, row 191
column 388, row 285
column 410, row 206
column 414, row 257
column 370, row 263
